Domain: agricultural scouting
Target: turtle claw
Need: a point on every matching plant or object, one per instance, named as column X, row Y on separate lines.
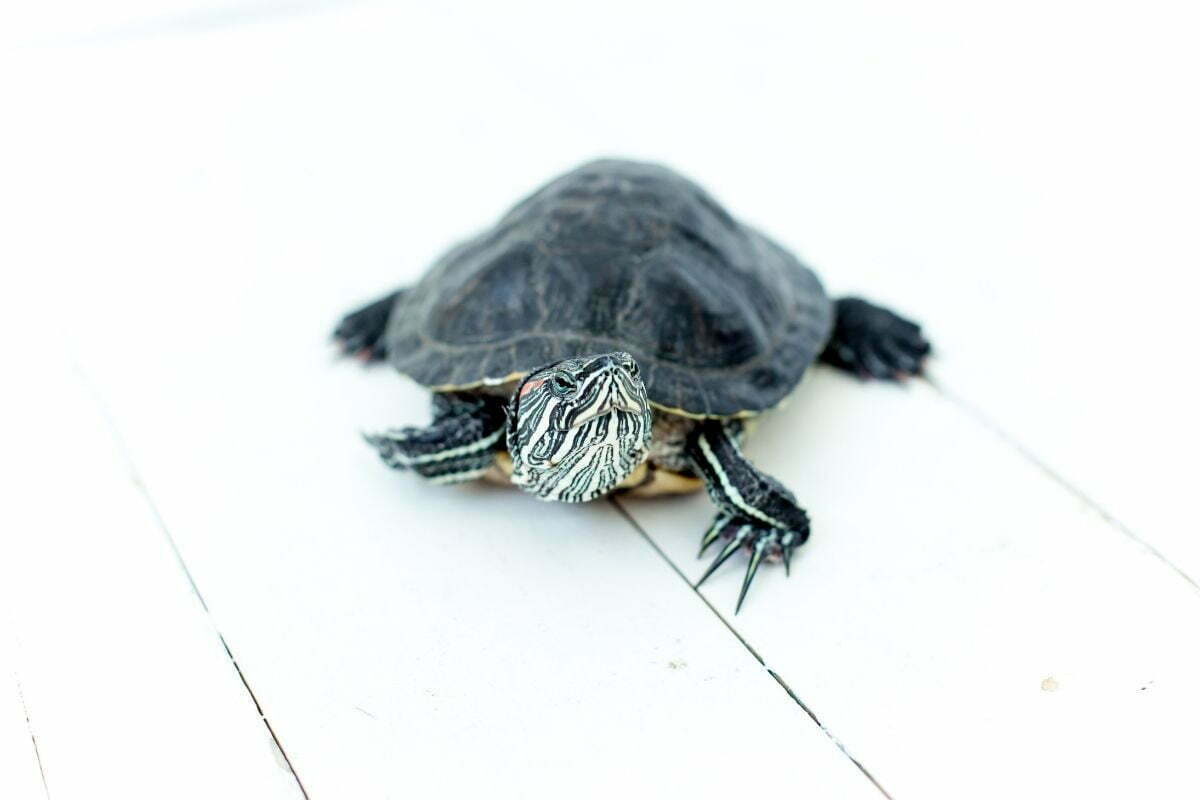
column 735, row 542
column 788, row 548
column 762, row 542
column 713, row 533
column 751, row 569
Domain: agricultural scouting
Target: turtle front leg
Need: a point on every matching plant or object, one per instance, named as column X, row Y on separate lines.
column 755, row 511
column 460, row 445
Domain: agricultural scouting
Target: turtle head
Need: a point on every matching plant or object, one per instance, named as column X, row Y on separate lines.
column 578, row 427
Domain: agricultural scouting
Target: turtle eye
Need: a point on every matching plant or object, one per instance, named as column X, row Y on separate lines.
column 632, row 369
column 562, row 384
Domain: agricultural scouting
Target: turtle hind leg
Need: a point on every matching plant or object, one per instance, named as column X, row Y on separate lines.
column 460, row 445
column 361, row 332
column 873, row 342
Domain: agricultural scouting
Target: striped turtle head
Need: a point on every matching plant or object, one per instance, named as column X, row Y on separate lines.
column 577, row 428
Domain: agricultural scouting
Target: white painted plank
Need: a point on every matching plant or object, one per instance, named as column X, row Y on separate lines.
column 395, row 631
column 1022, row 180
column 58, row 22
column 916, row 175
column 402, row 639
column 1035, row 211
column 128, row 687
column 1061, row 286
column 967, row 625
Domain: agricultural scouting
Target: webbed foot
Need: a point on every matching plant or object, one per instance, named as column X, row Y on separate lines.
column 874, row 342
column 361, row 332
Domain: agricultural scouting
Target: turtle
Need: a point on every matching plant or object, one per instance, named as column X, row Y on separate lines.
column 618, row 331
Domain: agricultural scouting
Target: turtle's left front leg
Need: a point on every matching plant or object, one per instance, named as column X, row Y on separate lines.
column 755, row 511
column 459, row 446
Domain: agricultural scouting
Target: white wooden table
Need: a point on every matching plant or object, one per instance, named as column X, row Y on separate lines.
column 210, row 588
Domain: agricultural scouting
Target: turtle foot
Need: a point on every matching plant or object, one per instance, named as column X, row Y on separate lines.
column 873, row 342
column 360, row 333
column 761, row 541
column 459, row 446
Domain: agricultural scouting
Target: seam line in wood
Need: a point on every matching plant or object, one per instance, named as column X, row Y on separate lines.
column 737, row 634
column 140, row 485
column 37, row 753
column 985, row 421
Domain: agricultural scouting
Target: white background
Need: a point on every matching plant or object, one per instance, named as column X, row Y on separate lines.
column 211, row 588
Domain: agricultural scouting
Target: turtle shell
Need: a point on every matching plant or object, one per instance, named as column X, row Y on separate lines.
column 619, row 255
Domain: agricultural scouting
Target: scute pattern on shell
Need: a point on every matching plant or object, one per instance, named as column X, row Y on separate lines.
column 619, row 255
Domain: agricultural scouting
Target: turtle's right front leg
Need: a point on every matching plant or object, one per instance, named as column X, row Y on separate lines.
column 755, row 511
column 460, row 445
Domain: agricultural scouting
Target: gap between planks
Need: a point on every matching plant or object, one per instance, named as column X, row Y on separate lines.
column 1042, row 466
column 37, row 753
column 949, row 396
column 778, row 679
column 1010, row 440
column 139, row 484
